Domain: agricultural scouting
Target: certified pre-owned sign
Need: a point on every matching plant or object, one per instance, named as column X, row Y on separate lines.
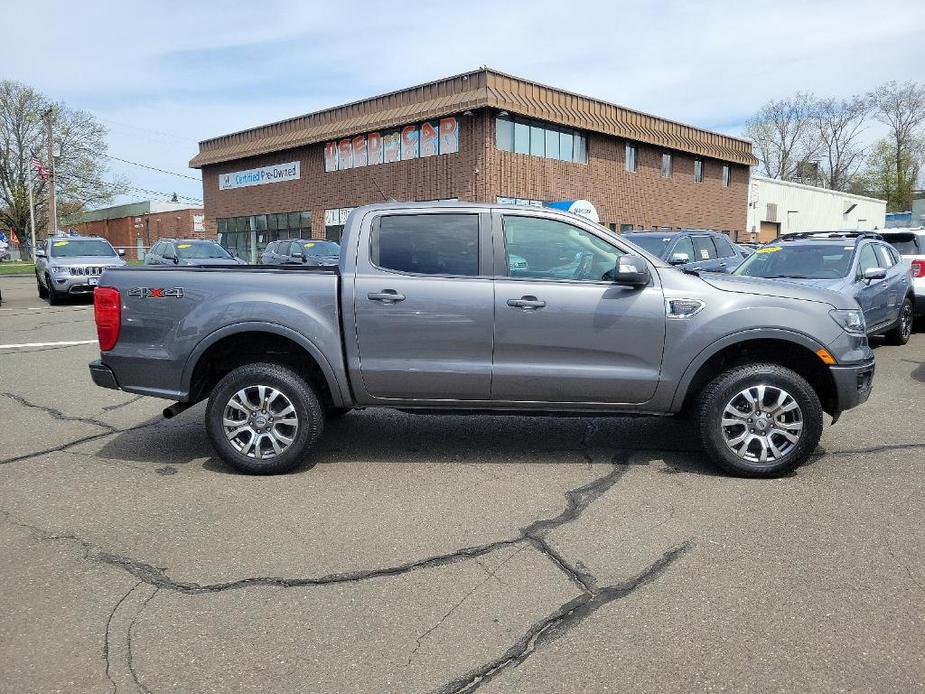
column 258, row 177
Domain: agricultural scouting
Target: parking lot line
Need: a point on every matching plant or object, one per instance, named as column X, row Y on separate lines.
column 48, row 344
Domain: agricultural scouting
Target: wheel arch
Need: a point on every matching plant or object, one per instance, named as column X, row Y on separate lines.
column 243, row 343
column 789, row 349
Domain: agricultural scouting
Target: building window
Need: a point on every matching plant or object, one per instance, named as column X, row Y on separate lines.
column 727, row 176
column 698, row 170
column 525, row 136
column 631, row 153
column 666, row 165
column 248, row 236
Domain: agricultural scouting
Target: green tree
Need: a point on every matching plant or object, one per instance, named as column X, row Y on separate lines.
column 902, row 108
column 886, row 178
column 80, row 170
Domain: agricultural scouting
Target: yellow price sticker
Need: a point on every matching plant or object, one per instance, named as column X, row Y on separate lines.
column 59, row 243
column 308, row 245
column 184, row 245
column 769, row 249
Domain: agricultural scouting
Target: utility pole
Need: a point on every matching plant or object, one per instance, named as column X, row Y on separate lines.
column 31, row 214
column 52, row 206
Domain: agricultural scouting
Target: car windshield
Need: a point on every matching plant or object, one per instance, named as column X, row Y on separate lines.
column 817, row 261
column 320, row 248
column 197, row 250
column 653, row 243
column 906, row 244
column 73, row 248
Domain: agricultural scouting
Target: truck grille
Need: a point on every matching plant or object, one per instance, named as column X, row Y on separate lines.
column 94, row 270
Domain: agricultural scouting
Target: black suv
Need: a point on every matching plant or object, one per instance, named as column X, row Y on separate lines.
column 695, row 249
column 189, row 252
column 312, row 252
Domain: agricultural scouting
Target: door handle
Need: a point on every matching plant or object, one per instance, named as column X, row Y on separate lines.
column 527, row 303
column 386, row 296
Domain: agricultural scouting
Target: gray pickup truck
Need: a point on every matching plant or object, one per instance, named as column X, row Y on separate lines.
column 466, row 308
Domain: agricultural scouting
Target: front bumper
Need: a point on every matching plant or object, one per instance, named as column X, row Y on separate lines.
column 103, row 376
column 853, row 384
column 70, row 284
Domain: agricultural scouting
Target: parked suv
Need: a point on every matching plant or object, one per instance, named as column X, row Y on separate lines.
column 857, row 264
column 691, row 248
column 72, row 265
column 911, row 246
column 311, row 252
column 192, row 252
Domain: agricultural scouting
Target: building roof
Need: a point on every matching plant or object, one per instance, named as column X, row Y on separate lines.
column 816, row 189
column 477, row 89
column 132, row 209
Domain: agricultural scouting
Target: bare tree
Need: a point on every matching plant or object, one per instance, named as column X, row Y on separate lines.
column 80, row 169
column 839, row 125
column 902, row 108
column 784, row 135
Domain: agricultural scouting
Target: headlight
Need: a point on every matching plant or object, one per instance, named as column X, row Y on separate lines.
column 60, row 269
column 850, row 320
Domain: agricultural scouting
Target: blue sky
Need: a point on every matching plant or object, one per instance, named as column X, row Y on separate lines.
column 164, row 75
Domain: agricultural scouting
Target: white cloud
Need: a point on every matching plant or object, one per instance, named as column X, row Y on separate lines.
column 198, row 69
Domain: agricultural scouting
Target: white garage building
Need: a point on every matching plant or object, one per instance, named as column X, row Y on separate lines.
column 780, row 207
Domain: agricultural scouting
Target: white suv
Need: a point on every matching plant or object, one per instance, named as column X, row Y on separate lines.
column 911, row 246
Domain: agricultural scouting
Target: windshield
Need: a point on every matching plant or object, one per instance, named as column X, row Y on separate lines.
column 906, row 244
column 800, row 261
column 72, row 248
column 320, row 248
column 652, row 242
column 197, row 250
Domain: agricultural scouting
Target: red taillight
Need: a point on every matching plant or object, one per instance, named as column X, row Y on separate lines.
column 918, row 268
column 107, row 309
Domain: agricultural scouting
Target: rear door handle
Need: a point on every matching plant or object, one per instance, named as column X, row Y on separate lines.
column 527, row 303
column 386, row 296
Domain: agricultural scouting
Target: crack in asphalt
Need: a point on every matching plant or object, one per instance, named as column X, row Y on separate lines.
column 58, row 414
column 128, row 637
column 562, row 620
column 106, row 635
column 110, row 408
column 876, row 449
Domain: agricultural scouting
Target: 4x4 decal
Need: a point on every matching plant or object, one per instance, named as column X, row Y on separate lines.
column 156, row 292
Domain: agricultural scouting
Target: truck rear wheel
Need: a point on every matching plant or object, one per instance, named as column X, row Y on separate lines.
column 760, row 420
column 263, row 418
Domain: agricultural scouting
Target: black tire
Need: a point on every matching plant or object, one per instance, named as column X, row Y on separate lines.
column 304, row 400
column 336, row 412
column 900, row 334
column 725, row 388
column 43, row 293
column 54, row 299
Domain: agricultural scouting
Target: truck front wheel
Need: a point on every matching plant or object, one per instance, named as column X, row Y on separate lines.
column 263, row 418
column 759, row 420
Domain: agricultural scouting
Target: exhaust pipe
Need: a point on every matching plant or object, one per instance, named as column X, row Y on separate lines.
column 175, row 409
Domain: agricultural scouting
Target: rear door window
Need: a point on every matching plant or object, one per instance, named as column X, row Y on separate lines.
column 427, row 244
column 703, row 249
column 724, row 248
column 886, row 259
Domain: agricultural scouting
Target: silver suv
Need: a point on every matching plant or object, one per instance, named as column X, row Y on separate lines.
column 69, row 265
column 911, row 246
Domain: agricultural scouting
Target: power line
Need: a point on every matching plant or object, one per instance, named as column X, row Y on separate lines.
column 152, row 168
column 121, row 187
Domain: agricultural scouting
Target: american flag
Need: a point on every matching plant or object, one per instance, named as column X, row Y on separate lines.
column 41, row 170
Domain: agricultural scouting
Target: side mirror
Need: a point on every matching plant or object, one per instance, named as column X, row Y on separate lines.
column 40, row 254
column 175, row 259
column 874, row 273
column 121, row 252
column 632, row 271
column 679, row 259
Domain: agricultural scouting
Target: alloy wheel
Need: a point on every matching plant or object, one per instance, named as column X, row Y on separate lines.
column 260, row 422
column 762, row 424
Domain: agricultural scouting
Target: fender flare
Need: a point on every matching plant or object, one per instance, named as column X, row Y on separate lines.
column 722, row 343
column 335, row 387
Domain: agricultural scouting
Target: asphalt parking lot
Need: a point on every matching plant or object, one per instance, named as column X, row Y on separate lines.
column 444, row 554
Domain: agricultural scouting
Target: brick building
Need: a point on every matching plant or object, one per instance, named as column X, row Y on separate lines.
column 138, row 225
column 482, row 136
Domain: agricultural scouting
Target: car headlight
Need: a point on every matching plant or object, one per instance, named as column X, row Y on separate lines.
column 60, row 269
column 850, row 320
